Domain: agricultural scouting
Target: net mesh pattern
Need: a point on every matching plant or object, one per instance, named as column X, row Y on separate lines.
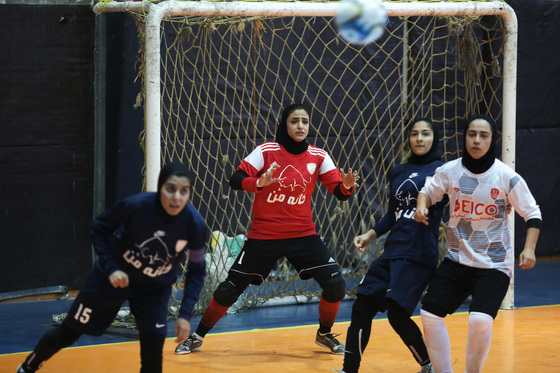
column 225, row 80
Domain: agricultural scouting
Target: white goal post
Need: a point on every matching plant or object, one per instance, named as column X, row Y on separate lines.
column 157, row 12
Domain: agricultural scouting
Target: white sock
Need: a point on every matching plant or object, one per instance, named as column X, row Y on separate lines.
column 478, row 341
column 437, row 342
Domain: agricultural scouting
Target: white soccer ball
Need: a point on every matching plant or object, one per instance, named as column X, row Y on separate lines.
column 361, row 21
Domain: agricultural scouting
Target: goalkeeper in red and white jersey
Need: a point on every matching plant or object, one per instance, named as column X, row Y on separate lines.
column 282, row 174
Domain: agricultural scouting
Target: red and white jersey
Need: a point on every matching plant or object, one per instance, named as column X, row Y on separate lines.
column 478, row 233
column 283, row 210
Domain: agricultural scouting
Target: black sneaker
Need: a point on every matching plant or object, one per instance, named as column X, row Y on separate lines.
column 20, row 369
column 191, row 344
column 329, row 341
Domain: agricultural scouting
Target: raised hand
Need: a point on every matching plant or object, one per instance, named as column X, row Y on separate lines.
column 349, row 179
column 266, row 178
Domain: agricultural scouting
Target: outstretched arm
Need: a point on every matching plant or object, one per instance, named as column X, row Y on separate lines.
column 363, row 240
column 194, row 282
column 422, row 208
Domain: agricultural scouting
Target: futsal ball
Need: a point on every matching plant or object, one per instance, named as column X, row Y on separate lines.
column 361, row 21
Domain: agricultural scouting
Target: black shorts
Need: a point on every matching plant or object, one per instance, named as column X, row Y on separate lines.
column 309, row 255
column 454, row 282
column 402, row 280
column 98, row 303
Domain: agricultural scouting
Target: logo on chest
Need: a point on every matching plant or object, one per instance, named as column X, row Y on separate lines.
column 153, row 256
column 292, row 181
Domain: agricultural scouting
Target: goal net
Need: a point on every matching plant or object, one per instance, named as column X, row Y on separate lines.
column 225, row 78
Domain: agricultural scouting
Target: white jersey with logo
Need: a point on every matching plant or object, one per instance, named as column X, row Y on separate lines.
column 478, row 233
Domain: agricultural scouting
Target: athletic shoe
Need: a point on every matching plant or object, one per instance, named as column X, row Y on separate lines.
column 20, row 369
column 427, row 369
column 191, row 344
column 329, row 341
column 338, row 370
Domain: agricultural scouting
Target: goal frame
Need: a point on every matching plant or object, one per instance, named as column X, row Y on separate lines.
column 157, row 12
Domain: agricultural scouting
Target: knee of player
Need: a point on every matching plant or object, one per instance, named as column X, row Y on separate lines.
column 480, row 321
column 334, row 289
column 62, row 336
column 226, row 294
column 396, row 314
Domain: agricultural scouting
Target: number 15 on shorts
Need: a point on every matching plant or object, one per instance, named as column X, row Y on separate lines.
column 83, row 313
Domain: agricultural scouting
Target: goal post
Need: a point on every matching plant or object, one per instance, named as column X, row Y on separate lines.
column 205, row 15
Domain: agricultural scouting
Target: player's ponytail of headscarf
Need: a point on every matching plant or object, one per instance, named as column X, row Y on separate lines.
column 483, row 164
column 171, row 169
column 282, row 136
column 433, row 153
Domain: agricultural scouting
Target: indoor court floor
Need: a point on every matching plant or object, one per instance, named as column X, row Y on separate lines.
column 281, row 338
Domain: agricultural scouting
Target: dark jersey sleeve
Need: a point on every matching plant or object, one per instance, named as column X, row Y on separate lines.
column 196, row 266
column 388, row 220
column 236, row 179
column 102, row 230
column 194, row 281
column 340, row 195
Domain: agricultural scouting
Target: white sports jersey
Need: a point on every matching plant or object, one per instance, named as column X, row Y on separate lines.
column 478, row 233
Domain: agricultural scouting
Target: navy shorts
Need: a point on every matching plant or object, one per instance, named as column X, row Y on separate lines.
column 402, row 280
column 454, row 282
column 98, row 303
column 309, row 255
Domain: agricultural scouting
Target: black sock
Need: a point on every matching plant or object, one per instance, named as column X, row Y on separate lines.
column 356, row 337
column 409, row 332
column 359, row 331
column 52, row 341
column 201, row 330
column 151, row 352
column 324, row 329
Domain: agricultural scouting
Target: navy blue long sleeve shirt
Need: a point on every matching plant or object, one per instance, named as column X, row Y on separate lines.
column 136, row 237
column 409, row 239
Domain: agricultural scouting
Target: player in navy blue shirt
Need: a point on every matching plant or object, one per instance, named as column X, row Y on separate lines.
column 140, row 243
column 395, row 281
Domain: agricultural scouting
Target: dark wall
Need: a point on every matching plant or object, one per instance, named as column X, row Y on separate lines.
column 538, row 114
column 46, row 145
column 125, row 157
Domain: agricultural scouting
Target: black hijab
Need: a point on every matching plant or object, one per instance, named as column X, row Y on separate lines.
column 282, row 136
column 481, row 165
column 171, row 169
column 432, row 154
